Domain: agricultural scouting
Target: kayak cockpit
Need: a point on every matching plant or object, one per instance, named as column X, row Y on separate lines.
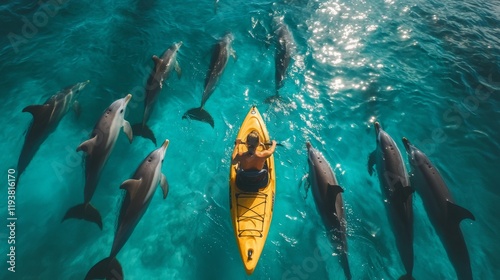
column 252, row 180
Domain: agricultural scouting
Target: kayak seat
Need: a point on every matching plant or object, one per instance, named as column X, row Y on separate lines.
column 252, row 180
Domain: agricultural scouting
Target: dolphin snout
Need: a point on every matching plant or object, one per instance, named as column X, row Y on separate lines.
column 407, row 144
column 127, row 98
column 81, row 85
column 377, row 127
column 229, row 36
column 165, row 144
column 308, row 145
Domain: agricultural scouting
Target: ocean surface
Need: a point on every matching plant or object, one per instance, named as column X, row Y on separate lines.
column 427, row 70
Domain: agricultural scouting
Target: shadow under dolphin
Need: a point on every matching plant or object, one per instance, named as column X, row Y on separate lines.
column 46, row 118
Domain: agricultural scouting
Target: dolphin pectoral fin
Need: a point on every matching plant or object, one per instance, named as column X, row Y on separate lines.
column 77, row 109
column 371, row 162
column 178, row 69
column 35, row 109
column 128, row 130
column 164, row 185
column 84, row 212
column 108, row 268
column 143, row 130
column 156, row 60
column 199, row 114
column 132, row 186
column 233, row 54
column 88, row 145
column 457, row 213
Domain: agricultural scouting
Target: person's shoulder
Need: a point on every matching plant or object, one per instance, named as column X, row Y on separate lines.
column 262, row 154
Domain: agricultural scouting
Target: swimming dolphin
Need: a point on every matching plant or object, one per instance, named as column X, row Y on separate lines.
column 283, row 53
column 397, row 193
column 220, row 55
column 140, row 190
column 97, row 150
column 46, row 117
column 443, row 213
column 159, row 74
column 328, row 198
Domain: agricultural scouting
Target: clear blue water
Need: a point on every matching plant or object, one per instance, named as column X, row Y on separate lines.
column 403, row 63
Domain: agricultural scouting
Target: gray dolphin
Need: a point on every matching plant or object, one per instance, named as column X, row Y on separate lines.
column 283, row 53
column 328, row 198
column 140, row 190
column 46, row 117
column 97, row 149
column 160, row 73
column 443, row 213
column 397, row 192
column 220, row 55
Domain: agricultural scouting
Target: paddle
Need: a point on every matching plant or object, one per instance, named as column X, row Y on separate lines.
column 267, row 144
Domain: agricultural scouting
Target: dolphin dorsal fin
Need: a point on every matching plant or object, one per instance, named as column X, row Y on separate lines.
column 458, row 213
column 87, row 146
column 35, row 110
column 156, row 59
column 335, row 189
column 132, row 186
column 164, row 185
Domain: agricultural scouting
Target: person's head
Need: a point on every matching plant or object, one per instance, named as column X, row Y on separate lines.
column 253, row 140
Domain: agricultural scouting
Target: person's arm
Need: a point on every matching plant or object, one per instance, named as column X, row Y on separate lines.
column 267, row 153
column 236, row 155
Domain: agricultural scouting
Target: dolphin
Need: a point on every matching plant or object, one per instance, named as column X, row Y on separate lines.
column 328, row 197
column 397, row 192
column 159, row 74
column 444, row 214
column 97, row 150
column 220, row 55
column 140, row 190
column 283, row 53
column 46, row 117
column 282, row 56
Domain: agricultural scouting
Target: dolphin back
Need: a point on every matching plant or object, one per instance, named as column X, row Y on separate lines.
column 108, row 268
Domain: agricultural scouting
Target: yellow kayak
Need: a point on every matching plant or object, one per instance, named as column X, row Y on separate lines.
column 252, row 206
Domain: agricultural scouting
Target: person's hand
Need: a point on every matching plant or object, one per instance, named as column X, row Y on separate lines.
column 237, row 142
column 273, row 142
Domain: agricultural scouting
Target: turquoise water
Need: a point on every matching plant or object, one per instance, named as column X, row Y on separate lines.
column 427, row 70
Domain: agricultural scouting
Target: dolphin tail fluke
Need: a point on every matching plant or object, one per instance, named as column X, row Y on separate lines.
column 199, row 114
column 406, row 277
column 84, row 211
column 108, row 268
column 144, row 131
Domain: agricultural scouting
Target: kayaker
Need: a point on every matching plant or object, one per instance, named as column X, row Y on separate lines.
column 252, row 160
